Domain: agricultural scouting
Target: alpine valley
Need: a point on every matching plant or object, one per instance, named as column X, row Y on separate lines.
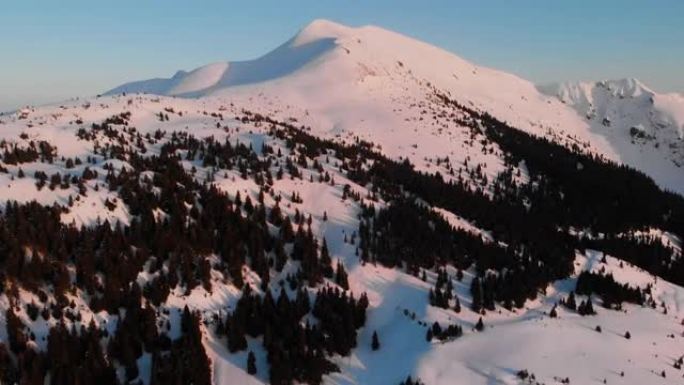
column 353, row 207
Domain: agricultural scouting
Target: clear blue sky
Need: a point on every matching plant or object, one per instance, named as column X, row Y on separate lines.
column 51, row 50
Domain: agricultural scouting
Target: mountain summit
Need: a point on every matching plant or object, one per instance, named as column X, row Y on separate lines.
column 309, row 45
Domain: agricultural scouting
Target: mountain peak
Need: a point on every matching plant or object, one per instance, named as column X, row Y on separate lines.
column 326, row 27
column 321, row 29
column 575, row 91
column 626, row 87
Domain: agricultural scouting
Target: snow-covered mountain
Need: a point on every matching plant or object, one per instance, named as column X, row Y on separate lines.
column 625, row 103
column 643, row 125
column 486, row 230
column 364, row 81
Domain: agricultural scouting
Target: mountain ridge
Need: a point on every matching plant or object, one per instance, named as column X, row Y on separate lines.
column 357, row 80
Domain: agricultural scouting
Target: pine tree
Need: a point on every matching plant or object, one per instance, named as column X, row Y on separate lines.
column 236, row 335
column 251, row 363
column 589, row 309
column 341, row 276
column 16, row 336
column 476, row 291
column 553, row 313
column 375, row 344
column 436, row 329
column 480, row 325
column 326, row 262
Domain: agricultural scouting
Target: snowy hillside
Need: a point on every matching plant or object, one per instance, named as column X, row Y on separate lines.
column 645, row 126
column 354, row 207
column 367, row 81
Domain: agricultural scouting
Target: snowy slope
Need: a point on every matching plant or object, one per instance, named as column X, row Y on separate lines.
column 552, row 349
column 645, row 126
column 377, row 84
column 368, row 83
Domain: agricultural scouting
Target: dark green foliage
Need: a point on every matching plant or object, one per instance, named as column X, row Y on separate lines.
column 341, row 277
column 648, row 253
column 296, row 352
column 15, row 332
column 611, row 292
column 200, row 221
column 450, row 332
column 406, row 232
column 586, row 307
column 186, row 362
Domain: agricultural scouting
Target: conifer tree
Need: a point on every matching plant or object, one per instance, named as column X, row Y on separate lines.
column 375, row 344
column 589, row 309
column 341, row 276
column 476, row 291
column 457, row 305
column 251, row 363
column 480, row 325
column 553, row 313
column 326, row 262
